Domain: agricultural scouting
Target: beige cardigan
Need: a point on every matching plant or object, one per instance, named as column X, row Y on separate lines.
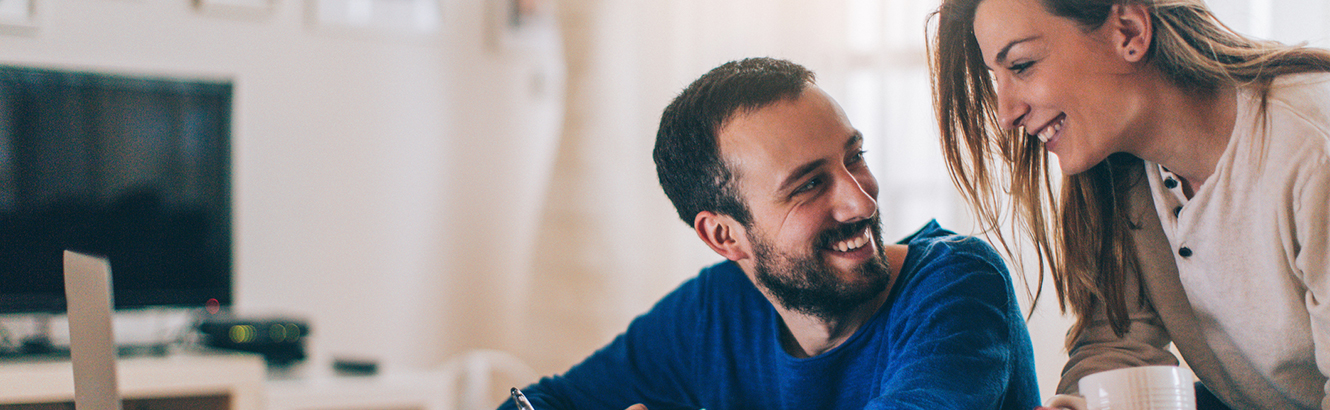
column 1283, row 288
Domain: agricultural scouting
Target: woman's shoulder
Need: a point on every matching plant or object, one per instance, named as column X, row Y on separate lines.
column 1299, row 104
column 1307, row 95
column 1295, row 136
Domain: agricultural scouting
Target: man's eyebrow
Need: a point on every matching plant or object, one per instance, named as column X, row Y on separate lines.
column 1001, row 56
column 855, row 139
column 799, row 173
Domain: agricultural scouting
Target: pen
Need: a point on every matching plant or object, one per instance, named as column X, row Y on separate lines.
column 520, row 400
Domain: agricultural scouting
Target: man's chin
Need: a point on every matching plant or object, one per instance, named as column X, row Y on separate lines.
column 826, row 283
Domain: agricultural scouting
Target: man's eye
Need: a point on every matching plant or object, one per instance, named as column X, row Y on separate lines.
column 808, row 186
column 858, row 157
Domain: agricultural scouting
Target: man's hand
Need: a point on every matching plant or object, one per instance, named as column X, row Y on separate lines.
column 638, row 406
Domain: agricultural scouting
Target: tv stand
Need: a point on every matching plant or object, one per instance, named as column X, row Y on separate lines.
column 40, row 341
column 49, row 351
column 39, row 346
column 195, row 379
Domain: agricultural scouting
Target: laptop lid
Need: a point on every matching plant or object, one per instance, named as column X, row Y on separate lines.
column 91, row 344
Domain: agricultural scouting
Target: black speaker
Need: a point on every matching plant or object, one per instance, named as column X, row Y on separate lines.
column 281, row 341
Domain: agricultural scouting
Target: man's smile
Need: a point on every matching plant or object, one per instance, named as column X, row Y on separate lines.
column 855, row 242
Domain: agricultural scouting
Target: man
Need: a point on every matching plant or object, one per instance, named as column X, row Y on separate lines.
column 811, row 310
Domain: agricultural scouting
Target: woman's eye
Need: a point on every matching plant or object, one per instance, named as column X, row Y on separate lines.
column 1020, row 67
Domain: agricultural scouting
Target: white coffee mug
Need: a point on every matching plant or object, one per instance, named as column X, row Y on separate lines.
column 1140, row 388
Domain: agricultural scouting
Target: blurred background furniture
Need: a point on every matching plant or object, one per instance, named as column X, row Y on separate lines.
column 193, row 381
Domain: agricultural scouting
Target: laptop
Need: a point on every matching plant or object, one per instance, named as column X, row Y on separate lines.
column 91, row 344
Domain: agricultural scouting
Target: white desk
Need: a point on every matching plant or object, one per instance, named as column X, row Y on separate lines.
column 176, row 381
column 223, row 381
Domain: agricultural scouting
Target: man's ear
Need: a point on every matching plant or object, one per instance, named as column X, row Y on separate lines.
column 723, row 234
column 1133, row 30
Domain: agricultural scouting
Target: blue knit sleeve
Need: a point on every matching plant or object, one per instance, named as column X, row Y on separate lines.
column 960, row 339
column 649, row 363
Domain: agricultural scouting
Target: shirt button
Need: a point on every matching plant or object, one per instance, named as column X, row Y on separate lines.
column 1184, row 252
column 1170, row 183
column 1177, row 211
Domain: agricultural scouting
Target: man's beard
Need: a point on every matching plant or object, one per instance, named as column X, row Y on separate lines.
column 807, row 284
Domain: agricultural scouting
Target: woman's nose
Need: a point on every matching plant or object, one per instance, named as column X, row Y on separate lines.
column 1011, row 109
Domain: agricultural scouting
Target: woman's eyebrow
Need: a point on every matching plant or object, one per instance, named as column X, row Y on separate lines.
column 1002, row 55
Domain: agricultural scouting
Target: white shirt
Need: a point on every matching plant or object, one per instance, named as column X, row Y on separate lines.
column 1252, row 244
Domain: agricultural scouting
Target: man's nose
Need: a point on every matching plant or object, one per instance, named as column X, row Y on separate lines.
column 1011, row 109
column 853, row 201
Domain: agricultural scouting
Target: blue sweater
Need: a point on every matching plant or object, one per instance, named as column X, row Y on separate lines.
column 950, row 336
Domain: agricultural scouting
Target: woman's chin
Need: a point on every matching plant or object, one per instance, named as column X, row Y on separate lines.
column 1074, row 166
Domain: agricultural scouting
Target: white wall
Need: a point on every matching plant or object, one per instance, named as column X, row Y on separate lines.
column 351, row 151
column 380, row 180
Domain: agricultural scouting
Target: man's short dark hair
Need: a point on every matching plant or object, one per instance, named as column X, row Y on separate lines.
column 687, row 153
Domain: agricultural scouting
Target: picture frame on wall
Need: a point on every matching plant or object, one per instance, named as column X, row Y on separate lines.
column 519, row 24
column 18, row 16
column 522, row 13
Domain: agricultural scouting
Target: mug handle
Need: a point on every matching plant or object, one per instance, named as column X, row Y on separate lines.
column 1066, row 401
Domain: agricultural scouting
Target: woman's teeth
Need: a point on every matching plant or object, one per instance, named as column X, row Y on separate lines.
column 852, row 243
column 1048, row 132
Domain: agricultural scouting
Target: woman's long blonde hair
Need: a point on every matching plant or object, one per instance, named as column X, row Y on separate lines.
column 1082, row 237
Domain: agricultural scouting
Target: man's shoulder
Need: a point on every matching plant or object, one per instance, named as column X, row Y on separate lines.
column 716, row 279
column 933, row 244
column 713, row 295
column 940, row 255
column 946, row 270
column 723, row 273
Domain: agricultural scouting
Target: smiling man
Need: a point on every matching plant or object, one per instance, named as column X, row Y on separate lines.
column 811, row 309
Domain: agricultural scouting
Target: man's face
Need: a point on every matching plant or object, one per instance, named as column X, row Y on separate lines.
column 814, row 235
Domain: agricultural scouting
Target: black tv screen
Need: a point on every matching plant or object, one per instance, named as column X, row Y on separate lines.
column 135, row 169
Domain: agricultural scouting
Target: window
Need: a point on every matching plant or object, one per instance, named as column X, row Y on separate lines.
column 886, row 94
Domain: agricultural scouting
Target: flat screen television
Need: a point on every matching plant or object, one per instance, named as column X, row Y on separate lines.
column 136, row 169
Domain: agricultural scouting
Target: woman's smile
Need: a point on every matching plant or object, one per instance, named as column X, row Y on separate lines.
column 1052, row 132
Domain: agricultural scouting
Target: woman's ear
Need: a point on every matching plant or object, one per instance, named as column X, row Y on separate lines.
column 722, row 234
column 1133, row 30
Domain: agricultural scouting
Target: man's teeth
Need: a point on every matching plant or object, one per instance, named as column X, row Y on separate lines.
column 1048, row 131
column 852, row 243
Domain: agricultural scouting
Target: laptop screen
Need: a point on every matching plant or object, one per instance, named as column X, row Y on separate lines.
column 91, row 344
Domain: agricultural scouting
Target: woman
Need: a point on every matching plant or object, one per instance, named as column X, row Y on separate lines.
column 1197, row 192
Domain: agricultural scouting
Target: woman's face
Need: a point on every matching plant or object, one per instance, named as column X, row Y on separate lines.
column 1076, row 90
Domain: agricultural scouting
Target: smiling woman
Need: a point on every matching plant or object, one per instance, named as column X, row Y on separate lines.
column 1182, row 141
